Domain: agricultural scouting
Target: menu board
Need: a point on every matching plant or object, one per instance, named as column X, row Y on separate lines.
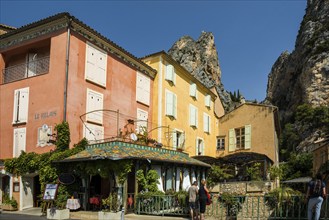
column 50, row 192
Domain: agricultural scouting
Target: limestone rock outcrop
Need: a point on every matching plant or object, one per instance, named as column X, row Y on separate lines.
column 303, row 75
column 200, row 58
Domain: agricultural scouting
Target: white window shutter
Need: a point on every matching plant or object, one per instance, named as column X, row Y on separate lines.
column 174, row 140
column 101, row 68
column 143, row 89
column 169, row 104
column 31, row 69
column 170, row 73
column 19, row 141
column 174, row 105
column 95, row 65
column 231, row 136
column 94, row 102
column 23, row 104
column 93, row 133
column 202, row 148
column 197, row 147
column 142, row 117
column 247, row 139
column 182, row 140
column 193, row 90
column 91, row 63
column 206, row 123
column 16, row 106
column 207, row 100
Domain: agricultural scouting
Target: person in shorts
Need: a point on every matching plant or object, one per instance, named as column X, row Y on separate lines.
column 193, row 192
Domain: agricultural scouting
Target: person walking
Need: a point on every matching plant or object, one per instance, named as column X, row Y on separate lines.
column 316, row 192
column 203, row 198
column 193, row 192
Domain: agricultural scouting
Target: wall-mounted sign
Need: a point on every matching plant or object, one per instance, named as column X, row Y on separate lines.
column 66, row 178
column 50, row 192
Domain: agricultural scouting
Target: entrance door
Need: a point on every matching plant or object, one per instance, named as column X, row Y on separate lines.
column 27, row 192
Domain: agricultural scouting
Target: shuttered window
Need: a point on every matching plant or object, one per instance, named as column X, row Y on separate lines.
column 21, row 102
column 178, row 138
column 93, row 133
column 193, row 116
column 193, row 90
column 141, row 124
column 240, row 138
column 19, row 141
column 206, row 123
column 170, row 74
column 171, row 104
column 94, row 102
column 143, row 88
column 96, row 65
column 207, row 101
column 199, row 147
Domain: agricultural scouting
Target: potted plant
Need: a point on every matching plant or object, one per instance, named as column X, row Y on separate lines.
column 110, row 207
column 9, row 204
column 58, row 208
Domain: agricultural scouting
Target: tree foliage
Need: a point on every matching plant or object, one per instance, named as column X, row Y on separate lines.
column 217, row 174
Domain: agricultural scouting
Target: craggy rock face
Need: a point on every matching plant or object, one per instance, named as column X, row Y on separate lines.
column 303, row 75
column 200, row 58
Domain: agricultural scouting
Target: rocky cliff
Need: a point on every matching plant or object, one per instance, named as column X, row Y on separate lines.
column 303, row 75
column 200, row 58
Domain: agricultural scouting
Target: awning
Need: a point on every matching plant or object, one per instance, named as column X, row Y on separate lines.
column 118, row 150
column 298, row 180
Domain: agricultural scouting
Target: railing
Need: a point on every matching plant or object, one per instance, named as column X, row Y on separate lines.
column 25, row 70
column 246, row 207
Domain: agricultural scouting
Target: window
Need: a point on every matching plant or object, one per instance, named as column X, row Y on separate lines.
column 141, row 123
column 96, row 65
column 193, row 116
column 193, row 90
column 19, row 141
column 170, row 74
column 93, row 133
column 171, row 104
column 206, row 123
column 240, row 138
column 220, row 143
column 31, row 67
column 199, row 146
column 143, row 89
column 21, row 102
column 178, row 139
column 44, row 134
column 94, row 103
column 207, row 101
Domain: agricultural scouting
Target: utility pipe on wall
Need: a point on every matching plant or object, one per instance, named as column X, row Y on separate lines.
column 67, row 67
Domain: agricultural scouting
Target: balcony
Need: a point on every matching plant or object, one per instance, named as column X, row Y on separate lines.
column 25, row 70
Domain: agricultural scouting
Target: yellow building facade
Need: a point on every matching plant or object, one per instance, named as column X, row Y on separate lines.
column 184, row 110
column 249, row 128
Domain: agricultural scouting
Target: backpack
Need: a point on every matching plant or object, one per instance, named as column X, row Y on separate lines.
column 317, row 188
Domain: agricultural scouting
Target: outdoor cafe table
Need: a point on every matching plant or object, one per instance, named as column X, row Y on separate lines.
column 73, row 204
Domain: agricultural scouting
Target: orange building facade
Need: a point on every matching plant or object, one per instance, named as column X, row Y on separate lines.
column 58, row 69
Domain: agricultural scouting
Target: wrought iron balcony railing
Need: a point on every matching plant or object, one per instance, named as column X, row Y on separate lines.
column 25, row 70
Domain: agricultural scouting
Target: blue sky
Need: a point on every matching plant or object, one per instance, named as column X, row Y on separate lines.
column 249, row 35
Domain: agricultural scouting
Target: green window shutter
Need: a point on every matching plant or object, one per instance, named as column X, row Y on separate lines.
column 231, row 144
column 247, row 138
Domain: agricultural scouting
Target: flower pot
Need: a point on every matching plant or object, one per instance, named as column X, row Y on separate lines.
column 58, row 214
column 8, row 207
column 109, row 215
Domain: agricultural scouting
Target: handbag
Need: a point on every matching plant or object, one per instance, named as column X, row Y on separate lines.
column 208, row 202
